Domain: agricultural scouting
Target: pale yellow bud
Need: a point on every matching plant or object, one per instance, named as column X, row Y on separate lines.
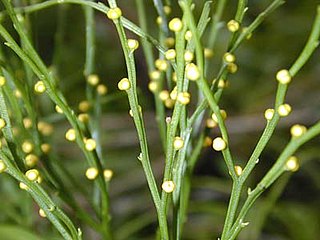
column 188, row 56
column 192, row 72
column 207, row 141
column 238, row 170
column 3, row 166
column 219, row 144
column 124, row 84
column 90, row 144
column 188, row 35
column 45, row 147
column 168, row 186
column 161, row 64
column 58, row 109
column 169, row 42
column 169, row 103
column 232, row 67
column 114, row 13
column 2, row 81
column 284, row 110
column 283, row 76
column 2, row 123
column 178, row 143
column 208, row 53
column 102, row 89
column 92, row 173
column 27, row 146
column 159, row 20
column 175, row 25
column 32, row 174
column 164, row 95
column 170, row 54
column 23, row 186
column 71, row 135
column 233, row 26
column 223, row 115
column 174, row 93
column 31, row 160
column 155, row 75
column 42, row 213
column 210, row 123
column 46, row 129
column 84, row 106
column 93, row 79
column 268, row 114
column 292, row 164
column 153, row 86
column 17, row 93
column 167, row 9
column 183, row 98
column 229, row 58
column 27, row 123
column 297, row 130
column 83, row 117
column 107, row 173
column 133, row 44
column 39, row 87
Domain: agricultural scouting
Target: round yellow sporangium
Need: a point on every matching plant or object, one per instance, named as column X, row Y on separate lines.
column 219, row 144
column 168, row 186
column 92, row 173
column 175, row 25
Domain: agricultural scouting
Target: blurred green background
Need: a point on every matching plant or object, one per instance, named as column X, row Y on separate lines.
column 289, row 210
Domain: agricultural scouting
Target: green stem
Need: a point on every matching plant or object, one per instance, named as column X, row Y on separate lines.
column 139, row 123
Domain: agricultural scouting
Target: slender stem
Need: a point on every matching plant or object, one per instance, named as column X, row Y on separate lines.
column 139, row 123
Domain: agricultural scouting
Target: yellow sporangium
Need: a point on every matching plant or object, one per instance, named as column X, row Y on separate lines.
column 31, row 160
column 92, row 173
column 297, row 130
column 223, row 115
column 84, row 106
column 161, row 64
column 102, row 89
column 153, row 86
column 164, row 95
column 268, row 114
column 284, row 110
column 170, row 54
column 283, row 76
column 188, row 56
column 124, row 84
column 188, row 35
column 184, row 98
column 45, row 147
column 233, row 25
column 175, row 25
column 42, row 213
column 168, row 186
column 219, row 144
column 58, row 109
column 107, row 174
column 3, row 166
column 90, row 144
column 178, row 143
column 192, row 72
column 71, row 135
column 39, row 87
column 2, row 123
column 292, row 164
column 155, row 75
column 27, row 146
column 32, row 174
column 229, row 57
column 238, row 170
column 133, row 44
column 93, row 79
column 114, row 13
column 2, row 81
